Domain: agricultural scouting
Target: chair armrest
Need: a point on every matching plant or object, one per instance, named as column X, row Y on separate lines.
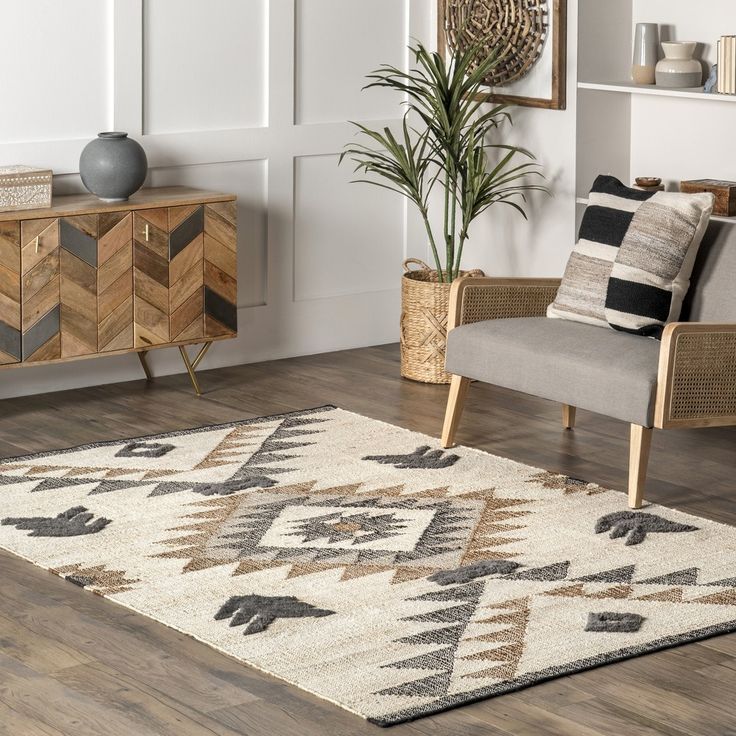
column 697, row 376
column 474, row 299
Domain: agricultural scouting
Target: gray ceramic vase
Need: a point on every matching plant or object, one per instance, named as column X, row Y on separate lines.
column 113, row 166
column 646, row 48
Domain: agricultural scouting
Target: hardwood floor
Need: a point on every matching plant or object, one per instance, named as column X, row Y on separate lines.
column 74, row 663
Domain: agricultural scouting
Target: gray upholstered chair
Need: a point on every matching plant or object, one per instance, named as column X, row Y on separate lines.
column 499, row 335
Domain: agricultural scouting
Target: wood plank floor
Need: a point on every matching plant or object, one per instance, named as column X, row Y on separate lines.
column 74, row 663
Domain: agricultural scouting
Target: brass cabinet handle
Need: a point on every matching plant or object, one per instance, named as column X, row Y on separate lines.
column 37, row 241
column 145, row 230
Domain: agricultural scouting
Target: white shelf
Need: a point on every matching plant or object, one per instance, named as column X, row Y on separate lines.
column 718, row 218
column 693, row 93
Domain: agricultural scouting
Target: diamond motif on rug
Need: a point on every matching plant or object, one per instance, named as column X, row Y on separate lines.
column 310, row 530
column 363, row 563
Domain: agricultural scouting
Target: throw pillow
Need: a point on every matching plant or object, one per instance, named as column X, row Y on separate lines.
column 631, row 267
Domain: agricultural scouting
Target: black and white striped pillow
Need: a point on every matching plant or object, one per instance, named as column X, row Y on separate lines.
column 631, row 267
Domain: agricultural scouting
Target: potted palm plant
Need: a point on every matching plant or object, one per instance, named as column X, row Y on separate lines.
column 446, row 152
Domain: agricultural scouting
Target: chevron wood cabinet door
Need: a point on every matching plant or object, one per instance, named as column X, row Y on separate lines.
column 151, row 277
column 87, row 277
column 186, row 272
column 78, row 285
column 40, row 290
column 10, row 299
column 220, row 270
column 115, row 282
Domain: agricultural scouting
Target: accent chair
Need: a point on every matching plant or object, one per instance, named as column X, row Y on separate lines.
column 498, row 333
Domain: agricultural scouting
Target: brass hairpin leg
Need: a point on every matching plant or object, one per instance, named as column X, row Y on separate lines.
column 191, row 365
column 200, row 355
column 144, row 363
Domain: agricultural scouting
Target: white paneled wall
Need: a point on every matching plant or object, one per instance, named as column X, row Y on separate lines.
column 253, row 97
column 337, row 54
column 345, row 243
column 204, row 65
column 39, row 61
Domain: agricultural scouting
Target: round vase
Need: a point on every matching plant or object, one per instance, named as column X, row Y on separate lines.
column 646, row 46
column 113, row 166
column 678, row 69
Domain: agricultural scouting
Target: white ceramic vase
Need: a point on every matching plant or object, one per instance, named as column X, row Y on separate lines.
column 678, row 69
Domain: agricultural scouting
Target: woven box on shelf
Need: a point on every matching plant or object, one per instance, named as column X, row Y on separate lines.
column 424, row 309
column 724, row 192
column 24, row 188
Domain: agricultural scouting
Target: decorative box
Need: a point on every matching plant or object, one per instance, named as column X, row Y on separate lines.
column 725, row 192
column 24, row 188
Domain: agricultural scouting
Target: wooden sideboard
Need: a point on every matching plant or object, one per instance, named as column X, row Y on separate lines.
column 87, row 278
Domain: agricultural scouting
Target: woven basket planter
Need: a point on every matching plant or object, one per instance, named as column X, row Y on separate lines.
column 424, row 310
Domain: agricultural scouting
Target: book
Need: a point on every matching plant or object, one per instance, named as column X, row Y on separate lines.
column 726, row 65
column 724, row 75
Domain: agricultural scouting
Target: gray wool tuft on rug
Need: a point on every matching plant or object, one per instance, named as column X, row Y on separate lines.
column 361, row 562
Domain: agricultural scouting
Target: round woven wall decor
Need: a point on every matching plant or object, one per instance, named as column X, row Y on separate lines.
column 516, row 28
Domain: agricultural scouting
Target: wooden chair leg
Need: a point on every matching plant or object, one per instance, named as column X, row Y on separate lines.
column 568, row 416
column 455, row 404
column 641, row 442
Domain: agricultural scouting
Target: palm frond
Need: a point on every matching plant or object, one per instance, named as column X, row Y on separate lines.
column 447, row 138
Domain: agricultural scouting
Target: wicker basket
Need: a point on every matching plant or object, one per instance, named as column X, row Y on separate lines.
column 424, row 308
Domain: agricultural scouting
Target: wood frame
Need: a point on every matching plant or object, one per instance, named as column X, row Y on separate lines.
column 640, row 444
column 670, row 361
column 558, row 93
column 457, row 291
column 70, row 205
column 112, row 353
column 455, row 404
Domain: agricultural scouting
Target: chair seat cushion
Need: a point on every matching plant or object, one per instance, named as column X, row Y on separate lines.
column 594, row 368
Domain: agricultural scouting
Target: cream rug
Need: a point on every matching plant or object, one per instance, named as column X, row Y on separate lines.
column 359, row 562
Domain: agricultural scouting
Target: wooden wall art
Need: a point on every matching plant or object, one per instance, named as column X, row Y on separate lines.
column 532, row 38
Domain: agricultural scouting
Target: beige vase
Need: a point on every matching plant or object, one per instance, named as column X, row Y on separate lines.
column 678, row 69
column 646, row 46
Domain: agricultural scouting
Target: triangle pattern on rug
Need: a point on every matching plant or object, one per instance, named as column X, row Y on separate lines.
column 681, row 577
column 577, row 590
column 726, row 583
column 671, row 595
column 617, row 575
column 427, row 687
column 443, row 658
column 725, row 598
column 516, row 613
column 557, row 571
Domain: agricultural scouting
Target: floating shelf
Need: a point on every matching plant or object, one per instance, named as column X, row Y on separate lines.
column 694, row 93
column 718, row 218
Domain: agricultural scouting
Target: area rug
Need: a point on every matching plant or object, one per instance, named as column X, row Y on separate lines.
column 362, row 563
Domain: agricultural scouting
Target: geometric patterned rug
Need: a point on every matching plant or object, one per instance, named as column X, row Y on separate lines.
column 362, row 563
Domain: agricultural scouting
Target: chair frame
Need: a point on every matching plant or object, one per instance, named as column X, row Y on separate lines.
column 696, row 380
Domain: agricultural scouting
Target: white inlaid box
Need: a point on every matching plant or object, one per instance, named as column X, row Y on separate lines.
column 24, row 188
